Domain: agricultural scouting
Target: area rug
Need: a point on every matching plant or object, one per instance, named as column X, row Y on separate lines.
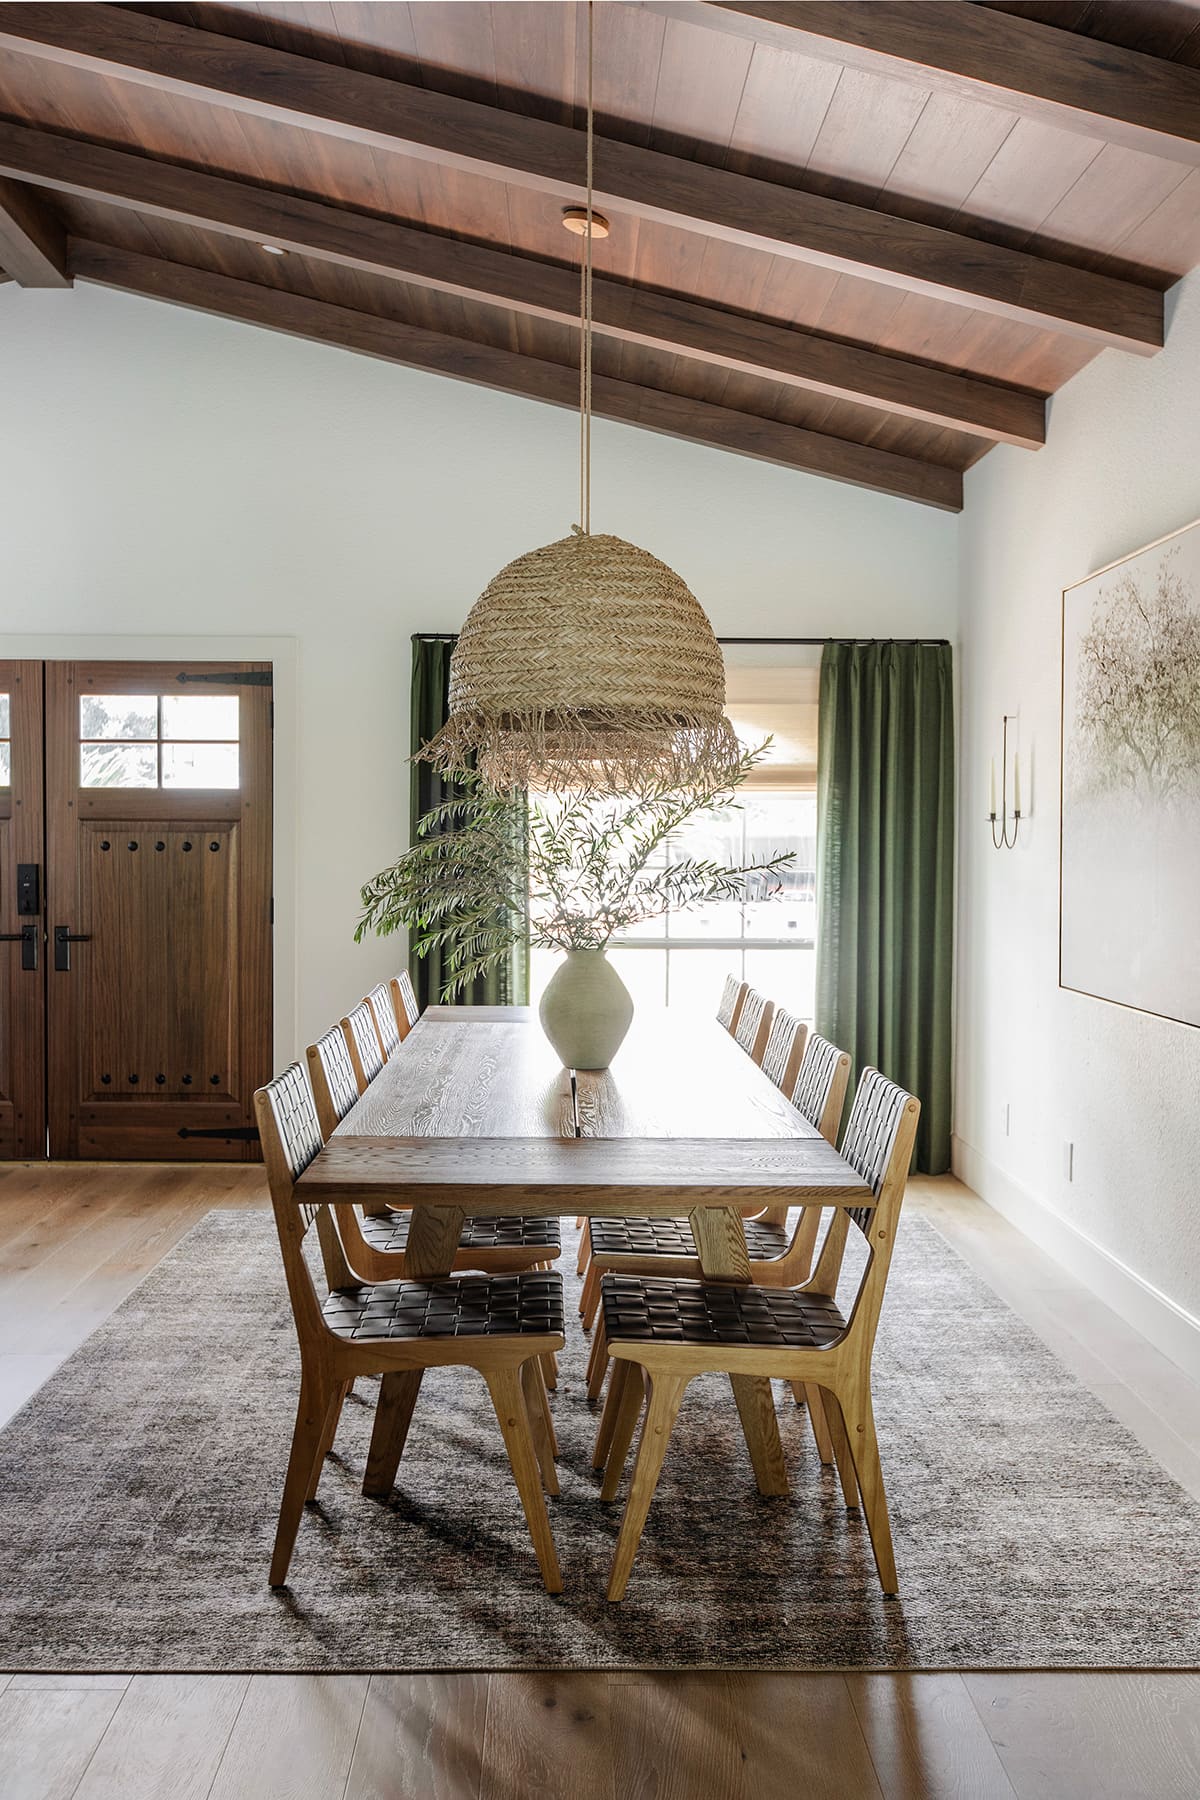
column 139, row 1488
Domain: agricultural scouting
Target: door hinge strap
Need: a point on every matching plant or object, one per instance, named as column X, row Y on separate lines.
column 235, row 678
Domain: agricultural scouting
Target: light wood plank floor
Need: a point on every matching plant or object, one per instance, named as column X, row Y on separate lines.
column 74, row 1241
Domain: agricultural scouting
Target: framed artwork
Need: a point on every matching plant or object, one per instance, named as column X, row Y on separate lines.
column 1129, row 891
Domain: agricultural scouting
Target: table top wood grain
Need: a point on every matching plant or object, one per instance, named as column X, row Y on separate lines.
column 474, row 1111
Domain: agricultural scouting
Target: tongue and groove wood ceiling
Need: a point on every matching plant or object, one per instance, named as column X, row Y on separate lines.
column 864, row 239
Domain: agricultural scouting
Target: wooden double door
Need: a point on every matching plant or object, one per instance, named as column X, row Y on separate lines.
column 135, row 908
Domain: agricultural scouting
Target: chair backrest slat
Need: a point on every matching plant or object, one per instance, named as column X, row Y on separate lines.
column 732, row 996
column 754, row 1024
column 878, row 1144
column 334, row 1083
column 404, row 997
column 820, row 1088
column 362, row 1041
column 785, row 1049
column 875, row 1119
column 291, row 1137
column 384, row 1012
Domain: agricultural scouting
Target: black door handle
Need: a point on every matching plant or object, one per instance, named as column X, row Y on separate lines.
column 27, row 937
column 64, row 937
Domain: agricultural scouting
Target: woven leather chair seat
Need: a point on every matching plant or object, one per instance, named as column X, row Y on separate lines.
column 673, row 1237
column 648, row 1309
column 465, row 1306
column 389, row 1231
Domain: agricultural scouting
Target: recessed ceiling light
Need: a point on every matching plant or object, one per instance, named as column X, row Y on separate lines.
column 272, row 249
column 575, row 219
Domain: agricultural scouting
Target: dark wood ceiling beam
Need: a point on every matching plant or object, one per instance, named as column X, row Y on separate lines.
column 1074, row 82
column 512, row 147
column 635, row 315
column 676, row 415
column 33, row 245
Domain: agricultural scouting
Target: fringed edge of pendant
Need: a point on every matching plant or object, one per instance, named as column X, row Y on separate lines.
column 600, row 751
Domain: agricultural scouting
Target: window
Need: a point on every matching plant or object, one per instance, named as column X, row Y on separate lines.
column 158, row 741
column 681, row 961
column 5, row 742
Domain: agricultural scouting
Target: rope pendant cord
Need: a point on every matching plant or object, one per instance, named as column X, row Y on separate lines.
column 585, row 302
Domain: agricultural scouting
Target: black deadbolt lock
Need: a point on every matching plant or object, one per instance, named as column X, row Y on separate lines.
column 29, row 890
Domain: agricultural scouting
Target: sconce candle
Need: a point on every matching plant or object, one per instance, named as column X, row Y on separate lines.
column 999, row 819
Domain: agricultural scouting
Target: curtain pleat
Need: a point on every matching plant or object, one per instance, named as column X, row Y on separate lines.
column 885, row 870
column 506, row 984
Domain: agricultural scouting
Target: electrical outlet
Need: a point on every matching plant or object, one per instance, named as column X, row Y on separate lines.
column 1068, row 1160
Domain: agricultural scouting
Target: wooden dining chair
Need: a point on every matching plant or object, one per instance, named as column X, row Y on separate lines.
column 729, row 1010
column 779, row 1256
column 364, row 1044
column 375, row 1244
column 404, row 998
column 785, row 1049
column 498, row 1325
column 753, row 1027
column 383, row 1011
column 663, row 1333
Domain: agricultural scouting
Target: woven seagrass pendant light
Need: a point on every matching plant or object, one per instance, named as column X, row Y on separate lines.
column 587, row 663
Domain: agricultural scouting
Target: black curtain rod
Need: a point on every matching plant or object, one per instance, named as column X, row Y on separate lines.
column 924, row 643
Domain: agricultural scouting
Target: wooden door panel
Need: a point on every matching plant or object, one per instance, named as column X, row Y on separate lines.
column 22, row 1005
column 161, row 1027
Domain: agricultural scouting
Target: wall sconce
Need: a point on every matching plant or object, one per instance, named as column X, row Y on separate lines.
column 1000, row 838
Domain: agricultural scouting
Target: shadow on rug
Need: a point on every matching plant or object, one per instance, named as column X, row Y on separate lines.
column 139, row 1489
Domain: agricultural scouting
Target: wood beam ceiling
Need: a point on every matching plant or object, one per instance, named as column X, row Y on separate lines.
column 515, row 148
column 676, row 415
column 636, row 315
column 33, row 246
column 1074, row 82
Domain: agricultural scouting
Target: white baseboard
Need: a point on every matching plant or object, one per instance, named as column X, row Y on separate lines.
column 1167, row 1325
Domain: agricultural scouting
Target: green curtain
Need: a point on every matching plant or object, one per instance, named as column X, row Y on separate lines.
column 885, row 870
column 508, row 983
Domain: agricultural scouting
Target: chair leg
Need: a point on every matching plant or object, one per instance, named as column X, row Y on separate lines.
column 585, row 1245
column 626, row 1410
column 393, row 1415
column 864, row 1447
column 550, row 1370
column 311, row 1415
column 666, row 1392
column 547, row 1415
column 608, row 1418
column 328, row 1435
column 841, row 1448
column 820, row 1425
column 589, row 1300
column 597, row 1367
column 534, row 1390
column 756, row 1409
column 504, row 1385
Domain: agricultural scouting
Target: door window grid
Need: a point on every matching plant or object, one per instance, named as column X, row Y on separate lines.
column 5, row 741
column 159, row 741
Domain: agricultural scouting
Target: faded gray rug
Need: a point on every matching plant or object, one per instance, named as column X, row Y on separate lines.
column 139, row 1488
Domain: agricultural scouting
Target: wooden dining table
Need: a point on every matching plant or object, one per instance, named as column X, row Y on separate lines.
column 474, row 1114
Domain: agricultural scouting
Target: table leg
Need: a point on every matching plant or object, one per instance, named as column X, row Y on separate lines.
column 721, row 1240
column 432, row 1242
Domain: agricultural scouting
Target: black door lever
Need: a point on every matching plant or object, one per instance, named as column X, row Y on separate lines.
column 27, row 937
column 64, row 937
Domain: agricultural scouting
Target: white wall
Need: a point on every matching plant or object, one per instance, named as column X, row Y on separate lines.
column 163, row 473
column 1121, row 467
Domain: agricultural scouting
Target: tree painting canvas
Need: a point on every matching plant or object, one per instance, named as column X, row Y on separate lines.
column 1130, row 870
